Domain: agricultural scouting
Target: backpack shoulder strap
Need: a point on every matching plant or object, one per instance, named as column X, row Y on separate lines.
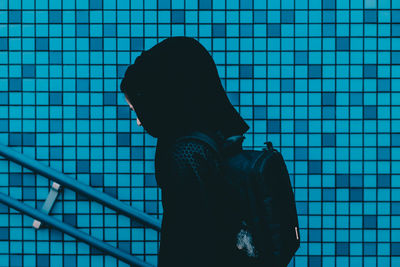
column 205, row 138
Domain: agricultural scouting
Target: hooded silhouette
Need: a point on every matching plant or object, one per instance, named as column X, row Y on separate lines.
column 174, row 88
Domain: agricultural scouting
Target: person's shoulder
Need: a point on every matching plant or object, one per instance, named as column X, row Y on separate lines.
column 188, row 147
column 191, row 153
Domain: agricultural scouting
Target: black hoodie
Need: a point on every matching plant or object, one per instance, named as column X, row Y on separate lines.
column 174, row 88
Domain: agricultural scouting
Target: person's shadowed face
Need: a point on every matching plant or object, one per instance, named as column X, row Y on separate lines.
column 130, row 105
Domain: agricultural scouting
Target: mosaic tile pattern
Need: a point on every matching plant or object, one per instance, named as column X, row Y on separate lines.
column 317, row 78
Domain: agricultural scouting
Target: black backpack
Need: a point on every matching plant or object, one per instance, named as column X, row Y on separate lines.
column 269, row 233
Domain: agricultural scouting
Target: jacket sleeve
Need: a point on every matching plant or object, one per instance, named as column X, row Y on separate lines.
column 194, row 174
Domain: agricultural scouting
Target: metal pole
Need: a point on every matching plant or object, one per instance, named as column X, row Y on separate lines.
column 78, row 187
column 119, row 254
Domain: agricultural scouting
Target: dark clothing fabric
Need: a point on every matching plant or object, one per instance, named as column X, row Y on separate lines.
column 198, row 226
column 174, row 88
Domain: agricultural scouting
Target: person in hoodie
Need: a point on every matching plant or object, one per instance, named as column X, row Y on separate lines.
column 174, row 89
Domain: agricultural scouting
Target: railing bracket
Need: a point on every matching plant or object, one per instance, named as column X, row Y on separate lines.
column 48, row 204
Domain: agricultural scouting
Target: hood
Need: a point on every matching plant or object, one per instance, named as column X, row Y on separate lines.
column 175, row 88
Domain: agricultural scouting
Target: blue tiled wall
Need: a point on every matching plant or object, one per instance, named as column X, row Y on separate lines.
column 318, row 78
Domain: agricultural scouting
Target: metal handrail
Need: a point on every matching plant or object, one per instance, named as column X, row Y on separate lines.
column 61, row 226
column 79, row 187
column 83, row 189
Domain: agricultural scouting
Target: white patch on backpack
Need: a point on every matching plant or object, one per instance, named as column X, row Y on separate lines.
column 244, row 241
